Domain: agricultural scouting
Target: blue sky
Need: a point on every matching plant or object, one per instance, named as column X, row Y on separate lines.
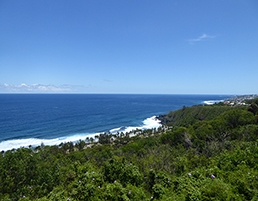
column 135, row 46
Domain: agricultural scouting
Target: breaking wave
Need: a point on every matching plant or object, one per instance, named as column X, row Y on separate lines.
column 212, row 102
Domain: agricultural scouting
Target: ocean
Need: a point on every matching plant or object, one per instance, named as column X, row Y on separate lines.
column 32, row 119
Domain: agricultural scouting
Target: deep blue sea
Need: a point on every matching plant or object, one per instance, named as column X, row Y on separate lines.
column 32, row 119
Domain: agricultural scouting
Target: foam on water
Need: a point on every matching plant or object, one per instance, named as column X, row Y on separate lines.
column 115, row 130
column 15, row 144
column 151, row 122
column 212, row 102
column 148, row 123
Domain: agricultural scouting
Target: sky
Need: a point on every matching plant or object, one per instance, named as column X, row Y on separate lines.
column 134, row 46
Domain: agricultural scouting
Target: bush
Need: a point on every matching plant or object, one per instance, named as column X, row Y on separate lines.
column 116, row 170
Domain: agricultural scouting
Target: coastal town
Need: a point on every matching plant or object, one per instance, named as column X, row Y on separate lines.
column 240, row 100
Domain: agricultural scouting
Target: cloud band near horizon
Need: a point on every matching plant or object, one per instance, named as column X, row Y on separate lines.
column 40, row 88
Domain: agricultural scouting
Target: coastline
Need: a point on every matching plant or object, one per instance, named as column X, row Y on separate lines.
column 240, row 99
column 79, row 120
column 147, row 124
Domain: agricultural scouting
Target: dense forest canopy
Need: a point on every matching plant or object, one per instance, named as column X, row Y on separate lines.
column 200, row 153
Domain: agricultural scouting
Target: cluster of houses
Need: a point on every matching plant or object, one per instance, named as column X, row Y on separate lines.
column 240, row 100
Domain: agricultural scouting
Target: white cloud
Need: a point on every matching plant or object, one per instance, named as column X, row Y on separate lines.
column 23, row 85
column 39, row 88
column 203, row 37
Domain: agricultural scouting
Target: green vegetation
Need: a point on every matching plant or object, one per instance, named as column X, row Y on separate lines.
column 202, row 153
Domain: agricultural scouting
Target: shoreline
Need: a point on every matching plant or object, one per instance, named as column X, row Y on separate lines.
column 147, row 124
column 240, row 99
column 151, row 123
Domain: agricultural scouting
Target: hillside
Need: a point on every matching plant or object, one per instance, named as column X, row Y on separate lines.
column 201, row 153
column 191, row 115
